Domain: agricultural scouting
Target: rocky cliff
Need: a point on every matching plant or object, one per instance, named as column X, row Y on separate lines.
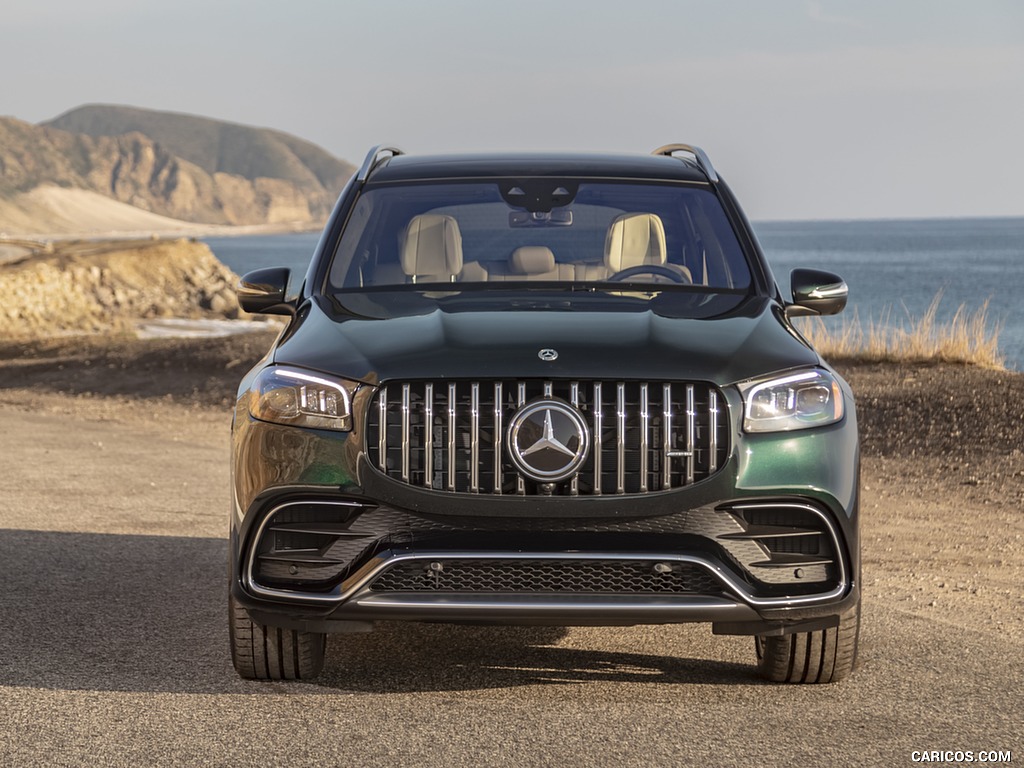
column 83, row 287
column 178, row 166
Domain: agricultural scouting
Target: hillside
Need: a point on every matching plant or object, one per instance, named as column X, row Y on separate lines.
column 179, row 167
column 216, row 146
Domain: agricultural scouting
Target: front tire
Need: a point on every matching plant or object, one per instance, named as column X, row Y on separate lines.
column 271, row 653
column 824, row 656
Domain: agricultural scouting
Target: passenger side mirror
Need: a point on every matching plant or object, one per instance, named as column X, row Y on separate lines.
column 264, row 291
column 817, row 293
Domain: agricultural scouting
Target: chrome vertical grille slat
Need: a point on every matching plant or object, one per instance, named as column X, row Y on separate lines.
column 574, row 399
column 499, row 405
column 406, row 389
column 691, row 435
column 382, row 440
column 474, row 437
column 598, row 438
column 520, row 401
column 428, row 437
column 620, row 438
column 452, row 435
column 452, row 442
column 713, row 432
column 666, row 432
column 645, row 419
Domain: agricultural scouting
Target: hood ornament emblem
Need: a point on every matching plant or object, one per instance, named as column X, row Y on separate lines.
column 548, row 440
column 548, row 355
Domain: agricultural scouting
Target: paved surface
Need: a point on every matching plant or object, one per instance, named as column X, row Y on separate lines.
column 113, row 647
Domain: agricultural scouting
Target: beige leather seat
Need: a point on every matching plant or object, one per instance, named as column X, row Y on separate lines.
column 537, row 262
column 638, row 239
column 528, row 262
column 634, row 239
column 474, row 272
column 431, row 249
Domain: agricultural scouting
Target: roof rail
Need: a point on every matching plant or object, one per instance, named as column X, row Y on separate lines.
column 373, row 157
column 703, row 161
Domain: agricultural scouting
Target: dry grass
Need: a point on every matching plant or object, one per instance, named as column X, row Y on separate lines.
column 968, row 337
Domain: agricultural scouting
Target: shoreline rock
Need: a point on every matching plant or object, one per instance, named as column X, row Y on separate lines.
column 87, row 287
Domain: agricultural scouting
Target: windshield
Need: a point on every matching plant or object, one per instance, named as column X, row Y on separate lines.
column 437, row 240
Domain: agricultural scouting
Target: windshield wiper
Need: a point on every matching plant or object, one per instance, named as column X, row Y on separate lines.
column 646, row 287
column 588, row 286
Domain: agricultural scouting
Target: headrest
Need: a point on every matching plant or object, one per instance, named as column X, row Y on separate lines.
column 432, row 246
column 532, row 260
column 634, row 239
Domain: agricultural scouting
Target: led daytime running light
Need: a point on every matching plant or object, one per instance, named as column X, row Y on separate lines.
column 286, row 396
column 798, row 401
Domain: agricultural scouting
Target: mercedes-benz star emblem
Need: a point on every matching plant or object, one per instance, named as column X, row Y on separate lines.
column 548, row 440
column 548, row 355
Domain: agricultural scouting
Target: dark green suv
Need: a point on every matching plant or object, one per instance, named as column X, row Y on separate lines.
column 543, row 389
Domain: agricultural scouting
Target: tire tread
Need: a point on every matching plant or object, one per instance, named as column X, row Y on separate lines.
column 260, row 652
column 823, row 656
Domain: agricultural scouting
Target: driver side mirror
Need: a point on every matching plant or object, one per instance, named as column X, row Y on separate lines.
column 817, row 293
column 264, row 291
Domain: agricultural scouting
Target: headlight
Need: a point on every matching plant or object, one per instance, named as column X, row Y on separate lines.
column 797, row 401
column 288, row 396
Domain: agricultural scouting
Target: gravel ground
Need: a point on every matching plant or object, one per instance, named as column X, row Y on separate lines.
column 947, row 431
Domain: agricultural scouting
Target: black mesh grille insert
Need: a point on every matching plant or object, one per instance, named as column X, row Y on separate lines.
column 546, row 575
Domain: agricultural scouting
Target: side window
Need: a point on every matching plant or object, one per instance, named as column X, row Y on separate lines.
column 708, row 246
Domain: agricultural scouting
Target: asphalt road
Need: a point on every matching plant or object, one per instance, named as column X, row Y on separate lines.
column 113, row 646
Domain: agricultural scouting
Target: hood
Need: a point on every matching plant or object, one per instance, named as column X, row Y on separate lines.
column 505, row 344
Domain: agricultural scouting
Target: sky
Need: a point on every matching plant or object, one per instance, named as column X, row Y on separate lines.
column 810, row 109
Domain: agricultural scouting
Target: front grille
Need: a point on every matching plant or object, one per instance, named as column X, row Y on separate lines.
column 524, row 575
column 645, row 436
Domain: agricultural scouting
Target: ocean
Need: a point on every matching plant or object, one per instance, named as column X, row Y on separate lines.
column 895, row 269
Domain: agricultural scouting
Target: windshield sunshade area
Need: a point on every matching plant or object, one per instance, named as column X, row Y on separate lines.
column 439, row 239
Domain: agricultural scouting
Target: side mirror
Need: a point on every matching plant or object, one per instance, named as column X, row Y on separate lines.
column 817, row 293
column 264, row 291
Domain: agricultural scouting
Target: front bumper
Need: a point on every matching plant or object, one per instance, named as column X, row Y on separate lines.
column 370, row 562
column 365, row 525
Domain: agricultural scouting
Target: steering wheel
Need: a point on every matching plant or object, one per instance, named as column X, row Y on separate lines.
column 659, row 270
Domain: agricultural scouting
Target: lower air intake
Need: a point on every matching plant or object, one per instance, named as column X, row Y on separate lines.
column 519, row 576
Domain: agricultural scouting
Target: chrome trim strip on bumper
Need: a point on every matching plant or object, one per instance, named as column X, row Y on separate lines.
column 385, row 560
column 569, row 607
